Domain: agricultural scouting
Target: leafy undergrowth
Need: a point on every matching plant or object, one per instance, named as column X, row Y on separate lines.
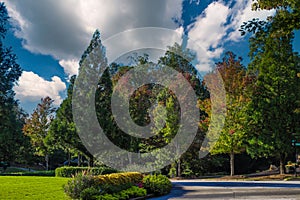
column 15, row 187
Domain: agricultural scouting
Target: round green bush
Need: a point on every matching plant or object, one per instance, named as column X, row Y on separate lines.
column 107, row 197
column 157, row 184
column 89, row 193
column 127, row 194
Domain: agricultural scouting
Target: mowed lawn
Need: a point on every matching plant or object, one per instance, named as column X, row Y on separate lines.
column 32, row 187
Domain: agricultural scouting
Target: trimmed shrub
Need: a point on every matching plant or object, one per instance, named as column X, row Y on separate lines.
column 71, row 171
column 86, row 185
column 119, row 178
column 157, row 184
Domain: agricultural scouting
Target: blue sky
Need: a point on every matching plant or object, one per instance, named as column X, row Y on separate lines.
column 49, row 36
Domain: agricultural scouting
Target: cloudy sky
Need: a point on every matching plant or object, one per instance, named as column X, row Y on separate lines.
column 49, row 36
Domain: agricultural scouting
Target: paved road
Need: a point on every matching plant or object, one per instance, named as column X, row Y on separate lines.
column 201, row 189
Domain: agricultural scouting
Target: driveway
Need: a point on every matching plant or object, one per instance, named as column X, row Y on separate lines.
column 202, row 189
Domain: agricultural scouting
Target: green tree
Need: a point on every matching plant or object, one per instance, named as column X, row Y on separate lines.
column 137, row 109
column 287, row 12
column 284, row 22
column 232, row 138
column 147, row 97
column 37, row 127
column 275, row 95
column 10, row 114
column 179, row 59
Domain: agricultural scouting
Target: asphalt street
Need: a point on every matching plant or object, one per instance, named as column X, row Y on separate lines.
column 202, row 189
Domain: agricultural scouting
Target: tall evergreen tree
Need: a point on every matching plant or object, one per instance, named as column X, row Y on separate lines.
column 10, row 114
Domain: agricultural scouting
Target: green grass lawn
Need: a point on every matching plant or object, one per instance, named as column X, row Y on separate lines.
column 32, row 187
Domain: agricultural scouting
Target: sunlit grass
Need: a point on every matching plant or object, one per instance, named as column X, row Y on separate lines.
column 32, row 187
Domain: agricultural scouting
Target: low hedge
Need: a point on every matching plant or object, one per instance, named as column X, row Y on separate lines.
column 104, row 184
column 119, row 178
column 72, row 171
column 157, row 184
column 33, row 173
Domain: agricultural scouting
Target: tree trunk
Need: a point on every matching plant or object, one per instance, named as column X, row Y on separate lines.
column 69, row 158
column 281, row 167
column 91, row 161
column 232, row 163
column 79, row 160
column 129, row 158
column 47, row 161
column 178, row 168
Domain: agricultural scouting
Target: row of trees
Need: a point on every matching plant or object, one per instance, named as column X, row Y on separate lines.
column 262, row 101
column 61, row 130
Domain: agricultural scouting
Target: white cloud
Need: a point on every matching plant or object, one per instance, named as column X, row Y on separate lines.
column 32, row 88
column 70, row 66
column 217, row 25
column 207, row 34
column 141, row 39
column 63, row 29
column 209, row 29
